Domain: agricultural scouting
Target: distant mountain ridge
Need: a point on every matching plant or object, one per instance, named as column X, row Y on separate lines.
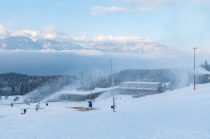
column 13, row 43
column 25, row 43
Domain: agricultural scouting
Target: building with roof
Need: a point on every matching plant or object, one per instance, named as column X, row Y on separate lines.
column 82, row 95
column 137, row 89
column 141, row 88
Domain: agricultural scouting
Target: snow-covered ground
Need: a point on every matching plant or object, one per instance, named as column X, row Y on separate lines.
column 182, row 113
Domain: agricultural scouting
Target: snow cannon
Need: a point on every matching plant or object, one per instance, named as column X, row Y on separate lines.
column 89, row 108
column 113, row 107
column 90, row 104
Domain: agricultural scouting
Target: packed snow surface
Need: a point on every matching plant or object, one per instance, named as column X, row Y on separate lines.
column 182, row 113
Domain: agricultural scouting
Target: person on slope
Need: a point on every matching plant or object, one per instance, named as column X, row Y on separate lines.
column 37, row 106
column 24, row 111
column 11, row 104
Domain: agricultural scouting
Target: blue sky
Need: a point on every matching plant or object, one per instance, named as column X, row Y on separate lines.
column 174, row 23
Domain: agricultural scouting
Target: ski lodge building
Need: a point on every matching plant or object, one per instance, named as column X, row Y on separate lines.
column 81, row 95
column 137, row 89
column 141, row 88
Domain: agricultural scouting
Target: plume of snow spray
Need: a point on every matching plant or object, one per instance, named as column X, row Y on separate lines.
column 107, row 94
column 200, row 71
column 55, row 96
column 50, row 88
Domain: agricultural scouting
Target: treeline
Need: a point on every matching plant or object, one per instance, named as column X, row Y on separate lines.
column 177, row 77
column 205, row 65
column 20, row 84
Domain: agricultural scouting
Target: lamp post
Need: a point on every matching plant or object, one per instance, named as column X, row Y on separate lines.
column 112, row 88
column 148, row 84
column 91, row 86
column 1, row 96
column 81, row 81
column 194, row 66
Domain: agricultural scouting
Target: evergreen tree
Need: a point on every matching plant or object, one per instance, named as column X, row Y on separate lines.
column 22, row 90
column 13, row 90
column 25, row 89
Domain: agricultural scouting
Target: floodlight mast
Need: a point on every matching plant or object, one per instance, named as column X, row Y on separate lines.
column 194, row 66
column 91, row 86
column 112, row 87
column 1, row 97
column 148, row 86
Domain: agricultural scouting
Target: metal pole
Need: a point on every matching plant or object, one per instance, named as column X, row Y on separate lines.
column 194, row 66
column 148, row 84
column 81, row 81
column 194, row 69
column 112, row 87
column 91, row 86
column 1, row 97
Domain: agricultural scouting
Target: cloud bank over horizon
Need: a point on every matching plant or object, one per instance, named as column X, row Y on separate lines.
column 71, row 62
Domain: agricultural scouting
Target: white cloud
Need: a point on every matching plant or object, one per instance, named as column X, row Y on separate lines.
column 198, row 1
column 137, row 5
column 20, row 33
column 141, row 5
column 158, row 3
column 3, row 31
column 198, row 17
column 46, row 33
column 51, row 33
column 149, row 3
column 83, row 38
column 97, row 10
column 87, row 52
column 111, row 39
column 32, row 33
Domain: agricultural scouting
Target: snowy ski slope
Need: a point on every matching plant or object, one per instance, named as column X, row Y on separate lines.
column 178, row 114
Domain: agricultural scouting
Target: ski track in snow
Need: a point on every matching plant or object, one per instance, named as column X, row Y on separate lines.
column 182, row 113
